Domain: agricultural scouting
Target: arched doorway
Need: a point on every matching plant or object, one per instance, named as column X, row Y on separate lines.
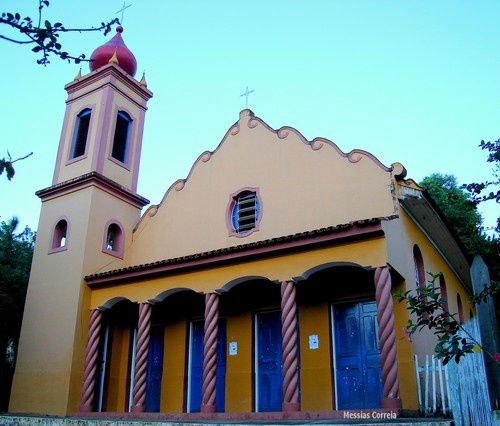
column 116, row 356
column 339, row 337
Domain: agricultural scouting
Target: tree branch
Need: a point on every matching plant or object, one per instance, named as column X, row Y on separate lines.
column 16, row 41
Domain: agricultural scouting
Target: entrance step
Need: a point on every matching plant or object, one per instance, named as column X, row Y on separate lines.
column 28, row 420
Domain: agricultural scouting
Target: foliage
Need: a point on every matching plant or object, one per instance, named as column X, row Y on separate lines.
column 44, row 35
column 457, row 207
column 6, row 165
column 16, row 252
column 476, row 189
column 428, row 307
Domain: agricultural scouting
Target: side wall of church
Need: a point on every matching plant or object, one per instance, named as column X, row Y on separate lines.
column 402, row 234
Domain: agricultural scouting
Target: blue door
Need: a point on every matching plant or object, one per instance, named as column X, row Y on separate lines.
column 196, row 367
column 154, row 369
column 357, row 356
column 268, row 362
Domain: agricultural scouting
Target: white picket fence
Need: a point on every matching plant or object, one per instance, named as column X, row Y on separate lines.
column 460, row 390
column 432, row 386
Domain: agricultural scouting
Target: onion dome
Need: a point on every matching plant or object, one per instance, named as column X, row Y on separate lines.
column 116, row 52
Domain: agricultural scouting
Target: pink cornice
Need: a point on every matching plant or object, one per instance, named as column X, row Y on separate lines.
column 229, row 211
column 109, row 70
column 92, row 179
column 317, row 143
column 280, row 245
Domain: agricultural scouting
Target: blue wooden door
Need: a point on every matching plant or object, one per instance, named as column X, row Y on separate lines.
column 154, row 369
column 268, row 365
column 196, row 367
column 357, row 356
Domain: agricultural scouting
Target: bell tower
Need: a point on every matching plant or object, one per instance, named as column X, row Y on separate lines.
column 104, row 119
column 86, row 221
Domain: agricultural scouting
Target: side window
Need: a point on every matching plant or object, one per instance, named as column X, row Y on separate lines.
column 81, row 133
column 444, row 292
column 113, row 239
column 460, row 309
column 120, row 141
column 60, row 236
column 419, row 267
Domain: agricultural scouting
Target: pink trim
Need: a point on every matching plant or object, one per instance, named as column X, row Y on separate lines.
column 316, row 144
column 106, row 71
column 71, row 142
column 92, row 179
column 208, row 392
column 289, row 347
column 387, row 337
column 58, row 249
column 353, row 234
column 62, row 144
column 130, row 138
column 141, row 358
column 90, row 368
column 229, row 212
column 138, row 149
column 190, row 417
column 102, row 133
column 120, row 239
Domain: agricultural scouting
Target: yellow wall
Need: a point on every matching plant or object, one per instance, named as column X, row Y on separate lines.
column 406, row 363
column 174, row 364
column 401, row 235
column 315, row 365
column 239, row 368
column 118, row 377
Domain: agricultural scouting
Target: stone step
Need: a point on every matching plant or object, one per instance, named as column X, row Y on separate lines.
column 27, row 420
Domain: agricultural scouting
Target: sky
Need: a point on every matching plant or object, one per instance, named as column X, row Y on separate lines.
column 416, row 82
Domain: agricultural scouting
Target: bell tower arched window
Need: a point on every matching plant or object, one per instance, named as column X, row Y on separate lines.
column 120, row 140
column 59, row 240
column 81, row 133
column 113, row 239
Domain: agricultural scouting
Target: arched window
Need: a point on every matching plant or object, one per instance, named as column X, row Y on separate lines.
column 419, row 267
column 81, row 133
column 444, row 293
column 245, row 212
column 113, row 239
column 120, row 141
column 460, row 309
column 60, row 236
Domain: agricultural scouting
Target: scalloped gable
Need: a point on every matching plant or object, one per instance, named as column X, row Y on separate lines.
column 303, row 185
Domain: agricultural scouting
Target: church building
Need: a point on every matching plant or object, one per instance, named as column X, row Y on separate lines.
column 260, row 286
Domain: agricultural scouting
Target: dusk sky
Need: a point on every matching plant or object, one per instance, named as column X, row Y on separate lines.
column 410, row 81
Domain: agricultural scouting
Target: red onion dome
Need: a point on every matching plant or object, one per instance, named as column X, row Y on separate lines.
column 102, row 55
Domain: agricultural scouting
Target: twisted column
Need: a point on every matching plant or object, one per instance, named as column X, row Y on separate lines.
column 141, row 357
column 208, row 391
column 387, row 338
column 289, row 347
column 91, row 353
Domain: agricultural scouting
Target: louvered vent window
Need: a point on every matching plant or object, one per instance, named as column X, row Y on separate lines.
column 245, row 212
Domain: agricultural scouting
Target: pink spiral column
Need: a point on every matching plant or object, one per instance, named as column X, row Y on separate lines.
column 387, row 338
column 289, row 347
column 141, row 357
column 210, row 353
column 89, row 375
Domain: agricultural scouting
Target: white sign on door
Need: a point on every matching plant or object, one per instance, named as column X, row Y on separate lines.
column 313, row 341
